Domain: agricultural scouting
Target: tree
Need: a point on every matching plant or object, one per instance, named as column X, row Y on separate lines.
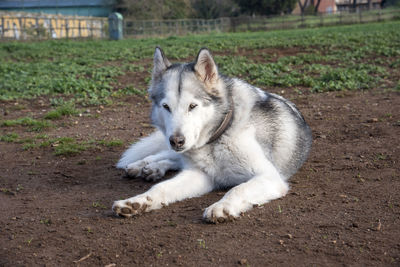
column 154, row 9
column 211, row 9
column 266, row 7
column 302, row 6
column 313, row 6
column 316, row 5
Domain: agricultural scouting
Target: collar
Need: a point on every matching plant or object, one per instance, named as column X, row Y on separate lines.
column 224, row 124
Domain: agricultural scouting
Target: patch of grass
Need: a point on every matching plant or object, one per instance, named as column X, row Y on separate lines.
column 45, row 221
column 111, row 143
column 97, row 204
column 68, row 146
column 10, row 137
column 29, row 146
column 35, row 125
column 87, row 72
column 65, row 146
column 202, row 243
column 64, row 110
column 41, row 136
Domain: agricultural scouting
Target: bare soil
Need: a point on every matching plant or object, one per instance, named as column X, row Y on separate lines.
column 343, row 207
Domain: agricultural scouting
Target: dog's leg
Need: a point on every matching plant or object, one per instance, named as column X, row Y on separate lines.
column 266, row 183
column 151, row 145
column 155, row 166
column 187, row 184
column 257, row 191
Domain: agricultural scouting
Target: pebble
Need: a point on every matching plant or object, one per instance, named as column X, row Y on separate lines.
column 243, row 261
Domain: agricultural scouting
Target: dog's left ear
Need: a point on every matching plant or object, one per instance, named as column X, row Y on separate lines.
column 206, row 70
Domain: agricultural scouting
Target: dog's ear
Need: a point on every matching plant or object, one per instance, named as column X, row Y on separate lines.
column 206, row 70
column 161, row 63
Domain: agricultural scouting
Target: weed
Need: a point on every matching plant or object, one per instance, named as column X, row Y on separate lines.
column 98, row 205
column 45, row 221
column 19, row 188
column 29, row 146
column 68, row 148
column 381, row 156
column 111, row 143
column 35, row 125
column 11, row 137
column 41, row 136
column 279, row 209
column 172, row 224
column 64, row 110
column 202, row 243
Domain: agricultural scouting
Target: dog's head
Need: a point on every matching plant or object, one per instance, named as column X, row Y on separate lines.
column 188, row 99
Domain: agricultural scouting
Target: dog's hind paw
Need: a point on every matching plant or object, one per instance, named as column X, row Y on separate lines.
column 132, row 206
column 220, row 212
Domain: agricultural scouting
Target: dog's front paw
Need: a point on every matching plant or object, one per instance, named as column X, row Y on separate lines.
column 133, row 206
column 149, row 171
column 135, row 169
column 219, row 212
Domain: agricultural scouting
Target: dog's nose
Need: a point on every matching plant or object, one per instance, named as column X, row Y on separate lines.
column 177, row 141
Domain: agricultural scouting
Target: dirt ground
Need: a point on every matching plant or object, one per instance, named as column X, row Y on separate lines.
column 343, row 207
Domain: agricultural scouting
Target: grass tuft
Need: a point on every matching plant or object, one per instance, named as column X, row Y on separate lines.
column 35, row 125
column 64, row 110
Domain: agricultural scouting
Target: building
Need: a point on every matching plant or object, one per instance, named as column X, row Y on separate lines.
column 333, row 6
column 347, row 5
column 95, row 8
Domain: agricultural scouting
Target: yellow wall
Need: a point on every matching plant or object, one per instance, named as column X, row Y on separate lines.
column 27, row 27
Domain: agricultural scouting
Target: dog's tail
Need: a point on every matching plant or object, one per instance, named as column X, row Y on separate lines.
column 150, row 145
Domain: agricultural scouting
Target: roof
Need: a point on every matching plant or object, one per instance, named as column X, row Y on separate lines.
column 12, row 4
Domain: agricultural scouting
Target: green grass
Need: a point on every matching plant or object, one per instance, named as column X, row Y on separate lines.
column 62, row 146
column 10, row 138
column 35, row 125
column 59, row 112
column 87, row 72
column 111, row 143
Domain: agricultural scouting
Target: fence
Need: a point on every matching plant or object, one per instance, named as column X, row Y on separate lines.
column 321, row 19
column 25, row 26
column 134, row 28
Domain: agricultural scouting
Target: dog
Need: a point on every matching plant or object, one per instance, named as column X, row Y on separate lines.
column 220, row 132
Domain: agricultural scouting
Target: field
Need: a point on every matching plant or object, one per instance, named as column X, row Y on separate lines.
column 68, row 109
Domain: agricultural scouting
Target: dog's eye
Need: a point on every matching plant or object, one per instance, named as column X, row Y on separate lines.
column 166, row 107
column 192, row 106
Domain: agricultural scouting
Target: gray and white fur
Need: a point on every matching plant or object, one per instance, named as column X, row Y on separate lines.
column 220, row 132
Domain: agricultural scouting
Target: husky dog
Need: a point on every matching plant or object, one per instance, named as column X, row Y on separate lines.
column 221, row 132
